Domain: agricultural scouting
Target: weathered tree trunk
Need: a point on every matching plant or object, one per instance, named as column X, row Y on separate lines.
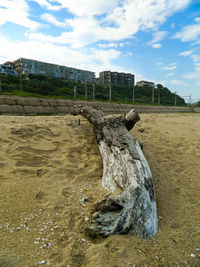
column 130, row 206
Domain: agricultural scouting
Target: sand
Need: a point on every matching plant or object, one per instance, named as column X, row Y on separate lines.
column 50, row 180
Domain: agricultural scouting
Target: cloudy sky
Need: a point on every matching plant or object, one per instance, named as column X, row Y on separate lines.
column 157, row 40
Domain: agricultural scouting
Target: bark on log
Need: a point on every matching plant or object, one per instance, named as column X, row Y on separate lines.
column 130, row 206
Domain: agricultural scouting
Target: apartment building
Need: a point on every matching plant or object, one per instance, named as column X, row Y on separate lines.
column 7, row 69
column 109, row 77
column 105, row 77
column 145, row 83
column 30, row 66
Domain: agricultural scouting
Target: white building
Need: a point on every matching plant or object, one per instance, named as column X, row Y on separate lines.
column 145, row 83
column 30, row 66
column 7, row 69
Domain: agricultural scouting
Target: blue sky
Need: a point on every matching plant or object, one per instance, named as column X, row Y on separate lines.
column 157, row 40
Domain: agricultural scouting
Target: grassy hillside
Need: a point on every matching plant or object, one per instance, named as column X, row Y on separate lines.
column 38, row 85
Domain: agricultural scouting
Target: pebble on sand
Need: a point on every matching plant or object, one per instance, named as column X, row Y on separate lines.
column 42, row 262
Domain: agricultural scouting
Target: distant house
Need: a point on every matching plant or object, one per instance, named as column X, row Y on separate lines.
column 30, row 66
column 121, row 78
column 7, row 69
column 145, row 83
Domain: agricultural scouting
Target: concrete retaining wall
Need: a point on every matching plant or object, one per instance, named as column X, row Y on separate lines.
column 20, row 105
column 196, row 109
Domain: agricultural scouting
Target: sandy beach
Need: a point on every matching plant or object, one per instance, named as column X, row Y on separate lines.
column 50, row 179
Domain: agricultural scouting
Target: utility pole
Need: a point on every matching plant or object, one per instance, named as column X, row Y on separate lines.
column 86, row 90
column 158, row 97
column 110, row 92
column 133, row 94
column 110, row 88
column 175, row 99
column 20, row 76
column 153, row 94
column 190, row 99
column 74, row 91
column 93, row 91
column 20, row 79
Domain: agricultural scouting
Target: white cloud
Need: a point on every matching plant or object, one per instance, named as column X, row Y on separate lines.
column 170, row 67
column 197, row 19
column 83, row 8
column 157, row 37
column 52, row 20
column 178, row 82
column 186, row 53
column 85, row 31
column 195, row 58
column 46, row 4
column 194, row 75
column 146, row 14
column 130, row 53
column 123, row 44
column 16, row 11
column 189, row 32
column 112, row 44
column 156, row 45
column 116, row 20
column 159, row 63
column 108, row 45
column 170, row 74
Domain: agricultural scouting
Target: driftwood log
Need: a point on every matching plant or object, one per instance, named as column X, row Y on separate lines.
column 130, row 205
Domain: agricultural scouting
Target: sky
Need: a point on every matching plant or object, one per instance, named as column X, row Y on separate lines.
column 157, row 40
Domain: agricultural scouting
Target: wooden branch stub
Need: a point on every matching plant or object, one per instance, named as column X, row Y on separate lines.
column 131, row 118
